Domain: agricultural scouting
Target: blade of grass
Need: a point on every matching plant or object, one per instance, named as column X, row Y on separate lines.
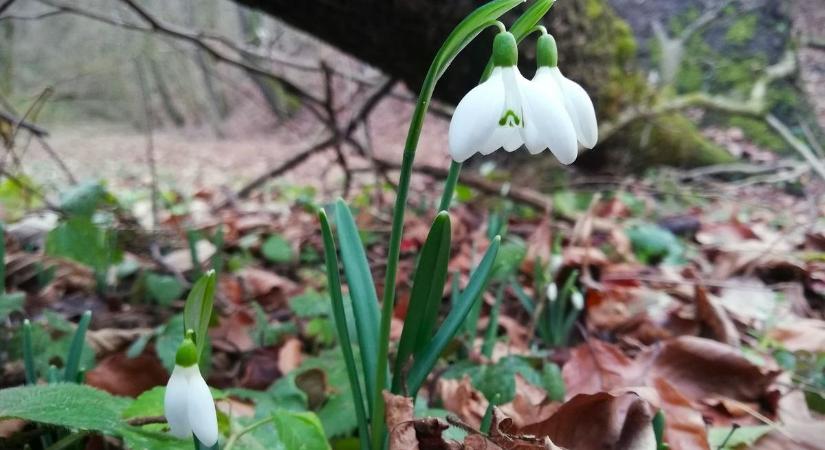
column 197, row 312
column 425, row 298
column 334, row 281
column 76, row 348
column 362, row 293
column 426, row 359
column 192, row 237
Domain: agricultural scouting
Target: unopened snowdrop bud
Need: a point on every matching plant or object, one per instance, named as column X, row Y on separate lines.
column 575, row 98
column 508, row 111
column 552, row 292
column 577, row 299
column 188, row 404
column 556, row 261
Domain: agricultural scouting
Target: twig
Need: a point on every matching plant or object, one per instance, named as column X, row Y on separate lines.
column 5, row 5
column 140, row 421
column 21, row 123
column 150, row 148
column 797, row 145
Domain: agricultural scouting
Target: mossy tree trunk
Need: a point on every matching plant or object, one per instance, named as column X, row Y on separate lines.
column 597, row 49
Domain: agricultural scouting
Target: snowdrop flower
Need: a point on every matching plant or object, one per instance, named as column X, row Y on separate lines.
column 556, row 261
column 188, row 404
column 552, row 292
column 576, row 101
column 508, row 111
column 577, row 299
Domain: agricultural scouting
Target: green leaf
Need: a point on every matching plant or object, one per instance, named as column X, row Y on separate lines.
column 83, row 199
column 743, row 437
column 277, row 249
column 73, row 359
column 340, row 319
column 426, row 359
column 163, row 288
column 198, row 309
column 149, row 403
column 653, row 244
column 338, row 413
column 300, row 430
column 552, row 381
column 509, row 258
column 362, row 292
column 79, row 239
column 322, row 330
column 144, row 439
column 168, row 340
column 68, row 405
column 310, row 304
column 427, row 291
column 10, row 303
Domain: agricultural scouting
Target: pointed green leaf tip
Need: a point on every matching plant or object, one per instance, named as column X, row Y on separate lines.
column 187, row 355
column 505, row 50
column 547, row 53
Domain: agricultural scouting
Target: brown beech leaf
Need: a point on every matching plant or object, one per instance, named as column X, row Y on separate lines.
column 118, row 374
column 232, row 333
column 798, row 430
column 260, row 368
column 289, row 355
column 714, row 318
column 601, row 421
column 460, row 398
column 399, row 417
column 530, row 404
column 700, row 368
column 597, row 366
column 684, row 427
column 314, row 384
column 800, row 334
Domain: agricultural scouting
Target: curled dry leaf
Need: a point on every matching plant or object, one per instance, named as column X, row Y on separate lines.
column 700, row 368
column 599, row 421
column 685, row 429
column 529, row 405
column 120, row 375
column 597, row 366
column 714, row 319
column 399, row 416
column 462, row 399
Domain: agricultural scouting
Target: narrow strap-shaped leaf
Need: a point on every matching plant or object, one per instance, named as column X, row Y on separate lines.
column 76, row 348
column 523, row 298
column 361, row 290
column 425, row 298
column 334, row 281
column 426, row 359
column 197, row 311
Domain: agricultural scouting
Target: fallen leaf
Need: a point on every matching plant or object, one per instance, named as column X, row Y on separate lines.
column 684, row 427
column 289, row 355
column 398, row 414
column 714, row 318
column 118, row 374
column 800, row 335
column 460, row 398
column 529, row 405
column 597, row 366
column 599, row 421
column 260, row 369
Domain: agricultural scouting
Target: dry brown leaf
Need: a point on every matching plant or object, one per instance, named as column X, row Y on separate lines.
column 314, row 383
column 289, row 355
column 529, row 405
column 700, row 368
column 798, row 430
column 599, row 421
column 460, row 398
column 714, row 318
column 684, row 427
column 260, row 369
column 800, row 335
column 181, row 259
column 232, row 333
column 597, row 366
column 118, row 374
column 399, row 416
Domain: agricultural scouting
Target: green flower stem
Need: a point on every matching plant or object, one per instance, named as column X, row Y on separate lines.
column 76, row 348
column 233, row 438
column 449, row 186
column 28, row 353
column 453, row 45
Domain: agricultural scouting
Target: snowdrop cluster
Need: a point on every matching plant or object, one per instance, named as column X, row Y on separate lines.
column 508, row 111
column 188, row 403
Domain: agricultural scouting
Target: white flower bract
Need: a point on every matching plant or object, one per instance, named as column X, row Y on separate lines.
column 508, row 111
column 576, row 101
column 189, row 407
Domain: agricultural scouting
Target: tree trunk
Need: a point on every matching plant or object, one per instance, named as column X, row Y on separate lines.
column 7, row 57
column 272, row 91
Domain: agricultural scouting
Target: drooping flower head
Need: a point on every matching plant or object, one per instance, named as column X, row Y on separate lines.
column 188, row 403
column 576, row 101
column 508, row 111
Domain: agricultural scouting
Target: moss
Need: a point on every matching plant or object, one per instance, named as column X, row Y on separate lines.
column 742, row 30
column 758, row 132
column 680, row 21
column 594, row 8
column 674, row 140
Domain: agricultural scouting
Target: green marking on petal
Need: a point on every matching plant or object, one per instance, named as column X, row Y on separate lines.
column 510, row 119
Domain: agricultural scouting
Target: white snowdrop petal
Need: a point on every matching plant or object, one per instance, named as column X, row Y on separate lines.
column 202, row 416
column 175, row 406
column 582, row 109
column 476, row 117
column 547, row 124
